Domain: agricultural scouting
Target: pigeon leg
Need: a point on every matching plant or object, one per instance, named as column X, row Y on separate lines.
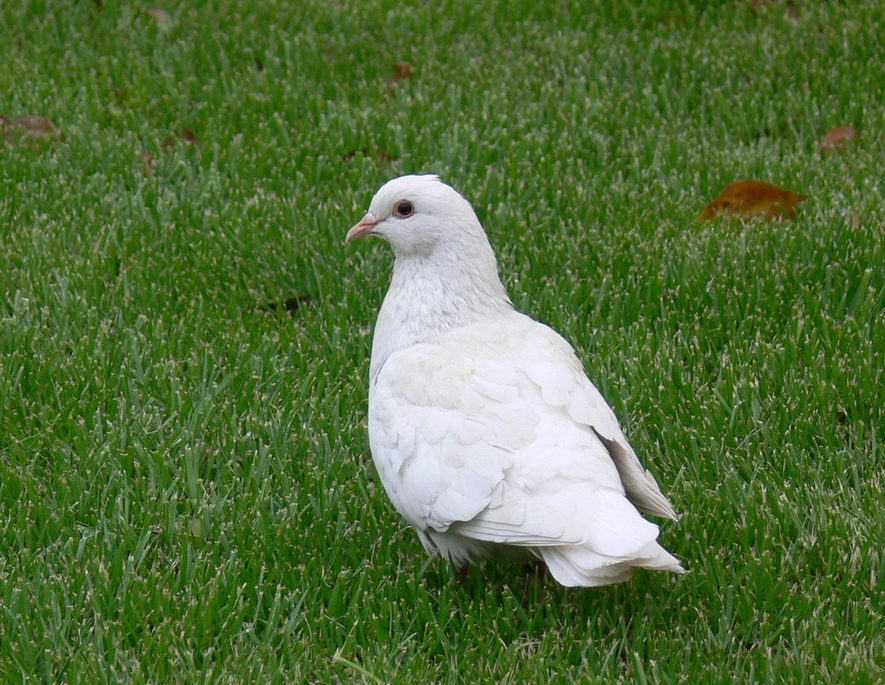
column 461, row 574
column 536, row 579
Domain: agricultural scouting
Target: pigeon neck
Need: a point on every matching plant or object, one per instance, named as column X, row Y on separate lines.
column 430, row 295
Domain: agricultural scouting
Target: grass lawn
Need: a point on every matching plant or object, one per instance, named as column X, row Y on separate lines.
column 185, row 488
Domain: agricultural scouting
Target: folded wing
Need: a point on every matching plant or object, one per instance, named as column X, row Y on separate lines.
column 494, row 433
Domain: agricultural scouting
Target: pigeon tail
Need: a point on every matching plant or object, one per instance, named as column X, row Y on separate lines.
column 574, row 566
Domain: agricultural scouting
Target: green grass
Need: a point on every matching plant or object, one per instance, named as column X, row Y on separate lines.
column 185, row 491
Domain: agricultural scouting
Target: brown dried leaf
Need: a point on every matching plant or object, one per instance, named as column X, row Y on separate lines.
column 374, row 152
column 401, row 71
column 35, row 125
column 754, row 199
column 161, row 17
column 31, row 125
column 146, row 160
column 184, row 134
column 290, row 304
column 837, row 138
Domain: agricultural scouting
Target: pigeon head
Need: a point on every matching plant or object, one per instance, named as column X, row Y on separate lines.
column 418, row 215
column 445, row 274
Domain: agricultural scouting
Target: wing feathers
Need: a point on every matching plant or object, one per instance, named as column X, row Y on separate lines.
column 641, row 486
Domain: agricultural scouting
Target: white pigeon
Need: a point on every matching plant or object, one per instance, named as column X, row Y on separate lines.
column 487, row 434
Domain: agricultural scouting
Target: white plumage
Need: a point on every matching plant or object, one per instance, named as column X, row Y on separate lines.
column 487, row 434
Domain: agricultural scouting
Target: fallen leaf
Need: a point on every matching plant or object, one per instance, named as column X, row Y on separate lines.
column 184, row 134
column 370, row 151
column 146, row 160
column 290, row 304
column 754, row 199
column 837, row 138
column 36, row 125
column 401, row 71
column 31, row 125
column 161, row 17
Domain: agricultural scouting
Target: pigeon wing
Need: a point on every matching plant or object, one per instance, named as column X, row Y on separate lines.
column 496, row 430
column 444, row 428
column 547, row 359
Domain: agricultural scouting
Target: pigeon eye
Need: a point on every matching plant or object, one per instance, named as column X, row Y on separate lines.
column 403, row 209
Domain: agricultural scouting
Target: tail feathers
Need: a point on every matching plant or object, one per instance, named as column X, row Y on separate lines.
column 656, row 558
column 575, row 566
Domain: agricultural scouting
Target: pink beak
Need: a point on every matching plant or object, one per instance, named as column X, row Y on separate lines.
column 363, row 228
